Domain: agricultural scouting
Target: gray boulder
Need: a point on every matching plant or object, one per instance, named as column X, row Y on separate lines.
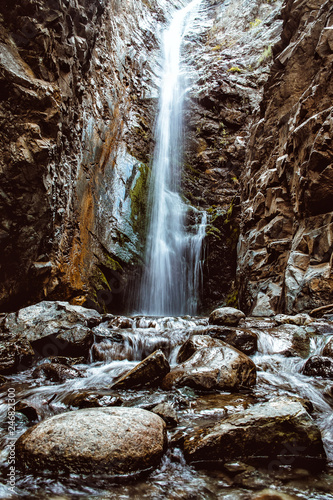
column 52, row 328
column 113, row 441
column 280, row 427
column 228, row 316
column 219, row 367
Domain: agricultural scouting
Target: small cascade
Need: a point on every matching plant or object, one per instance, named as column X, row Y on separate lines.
column 171, row 279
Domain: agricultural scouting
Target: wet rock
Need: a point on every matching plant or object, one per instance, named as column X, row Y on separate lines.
column 289, row 340
column 113, row 441
column 228, row 316
column 91, row 400
column 195, row 343
column 52, row 328
column 209, row 368
column 298, row 319
column 39, row 320
column 64, row 360
column 270, row 494
column 15, row 356
column 28, row 410
column 328, row 349
column 168, row 413
column 242, row 339
column 319, row 366
column 121, row 322
column 55, row 372
column 278, row 428
column 147, row 373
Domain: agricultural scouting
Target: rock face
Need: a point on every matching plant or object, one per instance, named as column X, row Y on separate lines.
column 78, row 85
column 218, row 367
column 115, row 441
column 280, row 427
column 78, row 97
column 228, row 65
column 285, row 245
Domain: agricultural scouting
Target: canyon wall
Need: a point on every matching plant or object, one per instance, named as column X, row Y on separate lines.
column 78, row 99
column 285, row 247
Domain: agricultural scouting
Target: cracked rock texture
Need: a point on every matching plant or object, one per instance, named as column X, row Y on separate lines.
column 285, row 247
column 78, row 100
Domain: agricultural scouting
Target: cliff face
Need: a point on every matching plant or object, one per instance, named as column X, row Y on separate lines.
column 77, row 101
column 285, row 247
column 228, row 65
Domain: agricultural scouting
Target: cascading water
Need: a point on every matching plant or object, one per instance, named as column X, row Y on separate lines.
column 173, row 266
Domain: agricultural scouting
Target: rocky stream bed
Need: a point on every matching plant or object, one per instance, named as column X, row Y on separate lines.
column 225, row 407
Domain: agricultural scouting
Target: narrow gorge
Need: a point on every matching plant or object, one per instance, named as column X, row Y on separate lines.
column 166, row 232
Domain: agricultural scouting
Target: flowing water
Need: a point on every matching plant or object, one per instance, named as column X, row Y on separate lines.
column 119, row 346
column 172, row 274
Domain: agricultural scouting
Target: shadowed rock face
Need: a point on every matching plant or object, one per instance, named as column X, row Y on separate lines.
column 285, row 245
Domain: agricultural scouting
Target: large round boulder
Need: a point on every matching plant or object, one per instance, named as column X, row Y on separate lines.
column 228, row 316
column 113, row 441
column 221, row 367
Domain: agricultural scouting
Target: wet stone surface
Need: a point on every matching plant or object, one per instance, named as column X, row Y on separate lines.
column 47, row 389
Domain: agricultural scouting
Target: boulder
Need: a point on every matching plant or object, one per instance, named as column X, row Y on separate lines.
column 91, row 400
column 213, row 368
column 228, row 316
column 113, row 441
column 319, row 366
column 194, row 344
column 168, row 413
column 55, row 372
column 146, row 374
column 277, row 428
column 15, row 356
column 328, row 349
column 242, row 339
column 53, row 328
column 69, row 342
column 297, row 319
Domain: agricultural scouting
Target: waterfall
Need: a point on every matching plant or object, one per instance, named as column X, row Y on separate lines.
column 173, row 251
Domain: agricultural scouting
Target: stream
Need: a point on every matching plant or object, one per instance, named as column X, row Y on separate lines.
column 278, row 373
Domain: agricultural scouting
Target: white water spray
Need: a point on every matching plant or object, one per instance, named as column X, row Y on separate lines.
column 173, row 253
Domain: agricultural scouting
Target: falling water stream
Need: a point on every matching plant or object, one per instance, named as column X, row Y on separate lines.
column 173, row 255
